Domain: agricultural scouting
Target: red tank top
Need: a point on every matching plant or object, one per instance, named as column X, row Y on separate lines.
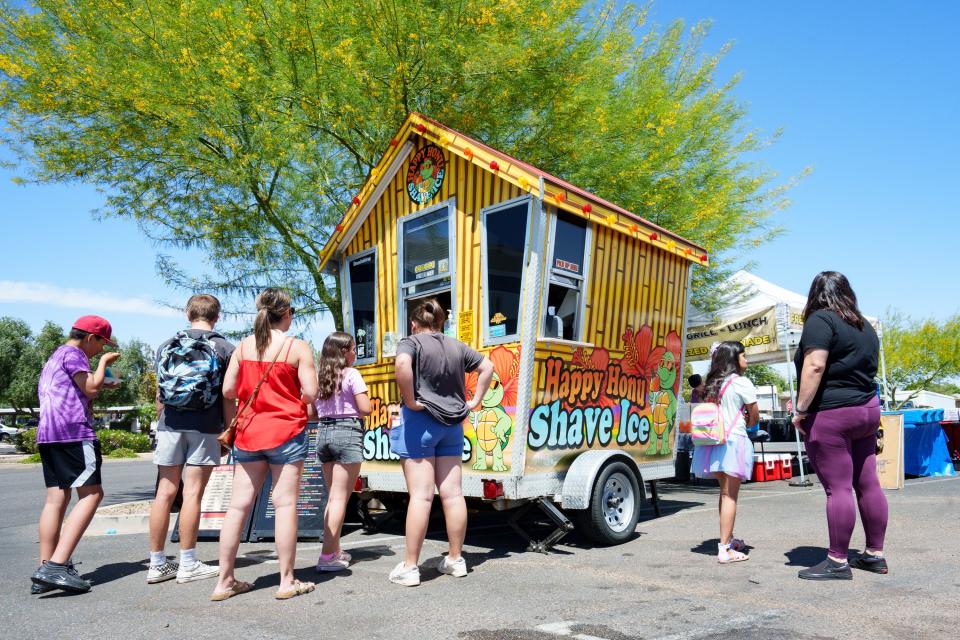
column 277, row 414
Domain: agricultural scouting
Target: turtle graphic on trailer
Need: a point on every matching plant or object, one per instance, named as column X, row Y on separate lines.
column 660, row 365
column 663, row 397
column 491, row 423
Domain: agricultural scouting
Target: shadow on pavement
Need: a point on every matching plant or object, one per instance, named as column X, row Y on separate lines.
column 709, row 547
column 805, row 556
column 428, row 566
column 134, row 495
column 115, row 571
column 369, row 554
column 668, row 507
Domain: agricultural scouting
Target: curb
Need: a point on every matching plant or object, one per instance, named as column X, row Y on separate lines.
column 15, row 458
column 116, row 524
column 110, row 525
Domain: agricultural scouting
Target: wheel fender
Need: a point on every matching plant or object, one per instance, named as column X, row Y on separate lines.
column 578, row 483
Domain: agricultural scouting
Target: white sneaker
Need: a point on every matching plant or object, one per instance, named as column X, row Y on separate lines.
column 404, row 575
column 199, row 571
column 166, row 571
column 338, row 562
column 456, row 568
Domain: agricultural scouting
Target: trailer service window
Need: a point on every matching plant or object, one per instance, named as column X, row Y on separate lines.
column 426, row 268
column 504, row 247
column 566, row 278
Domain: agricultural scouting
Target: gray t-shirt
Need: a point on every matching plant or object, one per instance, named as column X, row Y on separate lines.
column 208, row 420
column 439, row 365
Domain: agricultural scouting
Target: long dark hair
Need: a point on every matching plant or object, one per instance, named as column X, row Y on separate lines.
column 429, row 315
column 332, row 362
column 831, row 290
column 272, row 305
column 724, row 362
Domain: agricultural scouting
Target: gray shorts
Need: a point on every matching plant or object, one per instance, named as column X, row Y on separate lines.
column 340, row 440
column 186, row 447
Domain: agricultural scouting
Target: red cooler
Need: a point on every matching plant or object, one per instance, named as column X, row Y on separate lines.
column 766, row 467
column 786, row 466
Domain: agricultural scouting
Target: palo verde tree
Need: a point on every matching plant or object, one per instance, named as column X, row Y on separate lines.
column 22, row 372
column 244, row 129
column 919, row 353
column 23, row 355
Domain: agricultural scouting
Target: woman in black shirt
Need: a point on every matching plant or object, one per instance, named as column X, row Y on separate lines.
column 839, row 414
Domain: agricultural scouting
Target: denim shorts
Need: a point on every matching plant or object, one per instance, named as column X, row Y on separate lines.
column 292, row 451
column 340, row 440
column 420, row 435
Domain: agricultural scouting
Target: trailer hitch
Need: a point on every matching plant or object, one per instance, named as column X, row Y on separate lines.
column 563, row 524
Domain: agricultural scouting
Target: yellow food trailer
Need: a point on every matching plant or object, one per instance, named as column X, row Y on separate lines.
column 579, row 304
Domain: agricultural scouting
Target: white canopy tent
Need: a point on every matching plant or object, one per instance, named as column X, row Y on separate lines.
column 757, row 307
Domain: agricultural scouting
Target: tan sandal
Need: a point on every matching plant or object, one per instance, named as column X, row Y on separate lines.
column 236, row 589
column 299, row 588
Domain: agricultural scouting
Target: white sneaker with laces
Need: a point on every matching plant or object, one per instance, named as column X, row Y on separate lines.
column 166, row 571
column 405, row 576
column 199, row 571
column 338, row 562
column 456, row 568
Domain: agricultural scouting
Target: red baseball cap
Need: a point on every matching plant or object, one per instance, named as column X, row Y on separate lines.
column 97, row 326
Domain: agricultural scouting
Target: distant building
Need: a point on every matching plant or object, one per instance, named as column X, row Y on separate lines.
column 927, row 400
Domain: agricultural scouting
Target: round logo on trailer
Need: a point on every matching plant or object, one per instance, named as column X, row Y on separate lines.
column 425, row 174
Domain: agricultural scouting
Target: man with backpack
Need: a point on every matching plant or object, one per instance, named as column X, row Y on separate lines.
column 191, row 413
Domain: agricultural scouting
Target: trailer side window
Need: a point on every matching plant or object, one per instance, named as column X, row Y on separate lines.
column 361, row 291
column 565, row 284
column 426, row 247
column 505, row 239
column 426, row 266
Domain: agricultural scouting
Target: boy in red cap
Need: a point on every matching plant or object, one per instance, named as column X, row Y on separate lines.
column 69, row 450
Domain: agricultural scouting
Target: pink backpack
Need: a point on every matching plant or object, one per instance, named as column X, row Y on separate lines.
column 706, row 421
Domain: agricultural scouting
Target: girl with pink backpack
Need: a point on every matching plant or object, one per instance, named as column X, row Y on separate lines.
column 719, row 433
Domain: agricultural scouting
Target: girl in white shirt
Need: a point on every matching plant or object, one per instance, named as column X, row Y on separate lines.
column 730, row 462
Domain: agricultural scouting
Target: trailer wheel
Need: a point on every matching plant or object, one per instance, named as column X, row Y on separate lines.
column 614, row 507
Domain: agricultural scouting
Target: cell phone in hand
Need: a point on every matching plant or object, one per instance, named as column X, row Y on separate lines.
column 110, row 379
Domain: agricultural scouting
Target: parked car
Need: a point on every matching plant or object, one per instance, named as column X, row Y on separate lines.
column 7, row 433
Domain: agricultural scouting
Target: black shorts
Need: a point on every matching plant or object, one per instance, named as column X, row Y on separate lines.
column 68, row 465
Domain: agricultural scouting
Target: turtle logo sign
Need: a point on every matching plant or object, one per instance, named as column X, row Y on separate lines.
column 425, row 174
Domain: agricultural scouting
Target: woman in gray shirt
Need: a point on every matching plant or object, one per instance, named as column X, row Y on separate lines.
column 429, row 440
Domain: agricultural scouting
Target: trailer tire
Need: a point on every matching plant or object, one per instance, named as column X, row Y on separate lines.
column 614, row 507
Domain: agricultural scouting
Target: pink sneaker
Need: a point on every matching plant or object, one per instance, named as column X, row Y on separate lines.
column 334, row 562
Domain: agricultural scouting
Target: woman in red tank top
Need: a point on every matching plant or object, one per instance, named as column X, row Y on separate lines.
column 273, row 378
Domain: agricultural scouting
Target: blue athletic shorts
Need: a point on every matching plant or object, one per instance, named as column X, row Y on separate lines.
column 420, row 435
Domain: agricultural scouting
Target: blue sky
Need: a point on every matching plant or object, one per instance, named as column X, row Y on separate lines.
column 866, row 94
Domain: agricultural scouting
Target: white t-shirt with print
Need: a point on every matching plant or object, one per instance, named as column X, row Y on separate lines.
column 741, row 392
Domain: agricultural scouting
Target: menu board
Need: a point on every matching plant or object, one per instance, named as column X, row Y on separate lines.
column 213, row 506
column 310, row 506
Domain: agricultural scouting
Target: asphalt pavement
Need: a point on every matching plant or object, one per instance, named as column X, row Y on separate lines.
column 665, row 583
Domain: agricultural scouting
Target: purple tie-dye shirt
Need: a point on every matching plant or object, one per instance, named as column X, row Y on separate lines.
column 64, row 409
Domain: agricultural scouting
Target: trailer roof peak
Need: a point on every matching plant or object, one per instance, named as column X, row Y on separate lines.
column 556, row 191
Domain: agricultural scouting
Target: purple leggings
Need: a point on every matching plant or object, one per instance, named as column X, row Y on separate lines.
column 842, row 445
